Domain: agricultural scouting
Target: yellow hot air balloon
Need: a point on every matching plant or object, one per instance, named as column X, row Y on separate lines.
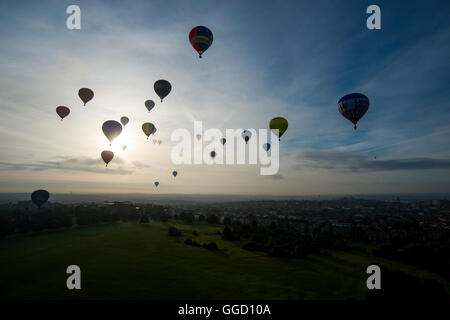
column 148, row 129
column 280, row 124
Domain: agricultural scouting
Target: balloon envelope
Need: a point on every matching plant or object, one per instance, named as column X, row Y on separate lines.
column 174, row 173
column 85, row 95
column 266, row 146
column 62, row 111
column 149, row 104
column 280, row 124
column 124, row 121
column 159, row 141
column 107, row 156
column 112, row 129
column 213, row 154
column 223, row 140
column 201, row 39
column 148, row 128
column 353, row 106
column 39, row 197
column 246, row 135
column 162, row 88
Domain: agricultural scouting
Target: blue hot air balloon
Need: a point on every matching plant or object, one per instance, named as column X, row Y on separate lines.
column 39, row 197
column 174, row 173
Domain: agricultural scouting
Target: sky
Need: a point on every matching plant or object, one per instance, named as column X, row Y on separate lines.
column 293, row 59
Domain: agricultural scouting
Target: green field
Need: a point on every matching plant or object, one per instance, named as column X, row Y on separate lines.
column 133, row 261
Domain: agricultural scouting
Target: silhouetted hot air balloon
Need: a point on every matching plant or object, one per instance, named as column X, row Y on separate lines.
column 159, row 141
column 201, row 39
column 124, row 147
column 62, row 111
column 39, row 197
column 213, row 154
column 85, row 95
column 148, row 128
column 156, row 183
column 107, row 156
column 199, row 136
column 162, row 88
column 174, row 173
column 353, row 106
column 112, row 129
column 155, row 141
column 266, row 146
column 280, row 124
column 149, row 104
column 246, row 135
column 124, row 121
column 223, row 141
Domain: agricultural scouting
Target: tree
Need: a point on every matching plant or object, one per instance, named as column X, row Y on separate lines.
column 212, row 219
column 174, row 232
column 227, row 234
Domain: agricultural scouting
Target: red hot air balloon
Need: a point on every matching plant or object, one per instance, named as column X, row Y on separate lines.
column 85, row 95
column 213, row 154
column 62, row 112
column 201, row 39
column 353, row 106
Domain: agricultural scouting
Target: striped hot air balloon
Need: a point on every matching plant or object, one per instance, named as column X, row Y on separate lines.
column 353, row 106
column 201, row 39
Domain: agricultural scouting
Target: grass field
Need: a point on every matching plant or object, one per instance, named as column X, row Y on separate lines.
column 133, row 261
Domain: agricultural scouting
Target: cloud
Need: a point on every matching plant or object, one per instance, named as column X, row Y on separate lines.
column 342, row 160
column 85, row 164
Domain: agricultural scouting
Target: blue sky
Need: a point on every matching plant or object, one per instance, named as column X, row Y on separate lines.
column 293, row 59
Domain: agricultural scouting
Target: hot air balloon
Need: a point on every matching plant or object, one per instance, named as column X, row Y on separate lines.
column 155, row 141
column 280, row 124
column 159, row 141
column 246, row 135
column 162, row 88
column 62, row 111
column 85, row 95
column 201, row 39
column 353, row 106
column 213, row 154
column 124, row 147
column 149, row 104
column 124, row 121
column 223, row 141
column 156, row 183
column 153, row 130
column 39, row 197
column 199, row 136
column 107, row 156
column 266, row 146
column 174, row 173
column 148, row 128
column 111, row 129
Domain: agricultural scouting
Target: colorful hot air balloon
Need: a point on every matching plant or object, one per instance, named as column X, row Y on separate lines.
column 213, row 154
column 353, row 106
column 280, row 124
column 148, row 128
column 223, row 141
column 201, row 39
column 62, row 111
column 107, row 156
column 39, row 197
column 162, row 88
column 124, row 121
column 174, row 173
column 156, row 183
column 112, row 129
column 266, row 146
column 246, row 135
column 149, row 104
column 85, row 95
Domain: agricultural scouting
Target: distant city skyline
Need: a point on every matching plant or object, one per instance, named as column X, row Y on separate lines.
column 294, row 60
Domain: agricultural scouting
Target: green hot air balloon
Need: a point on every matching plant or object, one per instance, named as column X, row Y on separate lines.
column 148, row 129
column 280, row 124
